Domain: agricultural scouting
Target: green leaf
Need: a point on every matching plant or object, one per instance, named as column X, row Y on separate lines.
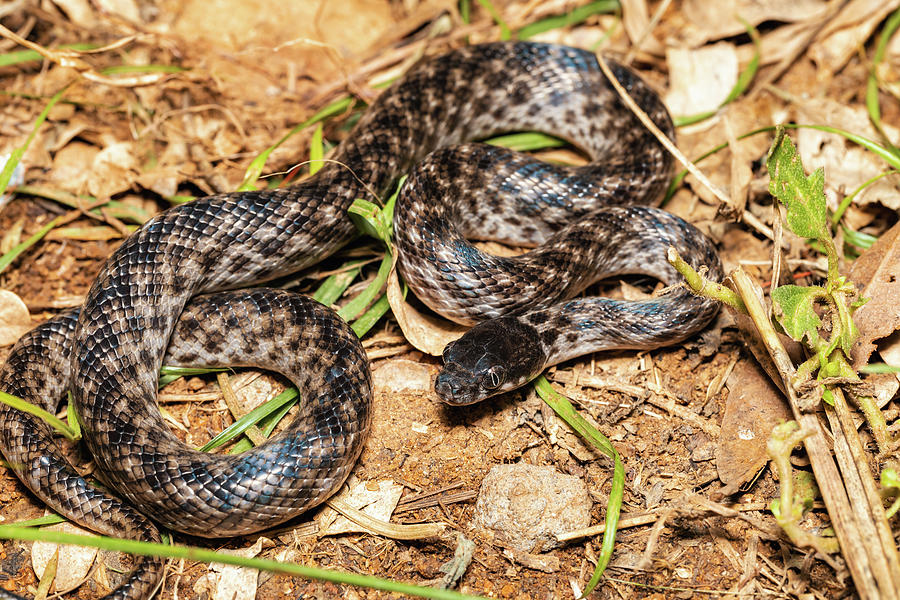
column 526, row 141
column 890, row 479
column 287, row 397
column 368, row 219
column 32, row 409
column 872, row 104
column 395, row 588
column 316, row 151
column 574, row 17
column 365, row 297
column 505, row 33
column 879, row 368
column 795, row 310
column 803, row 196
column 336, row 284
column 561, row 405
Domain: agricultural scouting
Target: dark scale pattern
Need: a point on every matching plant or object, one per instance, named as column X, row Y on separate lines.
column 228, row 494
column 587, row 224
column 110, row 353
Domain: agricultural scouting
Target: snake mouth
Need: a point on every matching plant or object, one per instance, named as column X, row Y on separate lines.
column 454, row 386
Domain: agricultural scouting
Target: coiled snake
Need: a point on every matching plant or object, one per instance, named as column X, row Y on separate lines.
column 157, row 292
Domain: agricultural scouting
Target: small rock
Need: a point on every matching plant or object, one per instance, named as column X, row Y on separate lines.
column 703, row 452
column 402, row 375
column 525, row 506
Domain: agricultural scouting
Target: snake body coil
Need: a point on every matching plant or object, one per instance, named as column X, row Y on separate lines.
column 155, row 292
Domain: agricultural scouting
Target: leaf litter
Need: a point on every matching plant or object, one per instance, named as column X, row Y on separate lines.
column 247, row 75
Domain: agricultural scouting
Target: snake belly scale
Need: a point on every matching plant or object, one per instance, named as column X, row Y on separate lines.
column 157, row 298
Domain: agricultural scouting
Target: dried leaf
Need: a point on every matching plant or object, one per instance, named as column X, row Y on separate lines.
column 846, row 164
column 74, row 561
column 716, row 20
column 237, row 583
column 15, row 320
column 878, row 271
column 79, row 12
column 843, row 36
column 753, row 408
column 636, row 19
column 376, row 499
column 700, row 80
column 72, row 166
column 114, row 169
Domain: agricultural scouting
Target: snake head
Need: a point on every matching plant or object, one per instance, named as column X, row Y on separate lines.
column 493, row 357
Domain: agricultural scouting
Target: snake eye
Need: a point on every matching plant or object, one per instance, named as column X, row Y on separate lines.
column 445, row 355
column 493, row 378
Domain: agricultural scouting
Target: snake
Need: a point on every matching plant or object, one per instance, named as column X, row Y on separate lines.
column 173, row 292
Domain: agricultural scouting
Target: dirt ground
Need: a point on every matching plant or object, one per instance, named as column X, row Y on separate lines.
column 678, row 416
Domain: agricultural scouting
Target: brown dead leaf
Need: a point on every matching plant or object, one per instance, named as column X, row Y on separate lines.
column 15, row 320
column 74, row 561
column 96, row 233
column 717, row 20
column 878, row 271
column 113, row 170
column 843, row 36
column 12, row 236
column 72, row 166
column 350, row 26
column 636, row 19
column 79, row 12
column 377, row 499
column 778, row 44
column 701, row 79
column 846, row 164
column 753, row 408
column 126, row 9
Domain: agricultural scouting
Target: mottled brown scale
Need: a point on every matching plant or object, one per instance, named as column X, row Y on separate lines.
column 150, row 294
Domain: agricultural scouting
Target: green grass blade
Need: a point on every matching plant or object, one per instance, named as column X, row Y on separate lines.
column 180, row 199
column 363, row 324
column 266, row 425
column 889, row 157
column 189, row 371
column 316, row 150
column 127, row 69
column 505, row 33
column 18, row 249
column 526, row 141
column 866, row 143
column 72, row 416
column 336, row 284
column 465, row 11
column 32, row 409
column 169, row 374
column 13, row 532
column 40, row 521
column 561, row 405
column 574, row 17
column 365, row 297
column 262, row 411
column 18, row 57
column 6, row 174
column 848, row 200
column 872, row 104
column 16, row 155
column 256, row 167
column 877, row 368
column 857, row 238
